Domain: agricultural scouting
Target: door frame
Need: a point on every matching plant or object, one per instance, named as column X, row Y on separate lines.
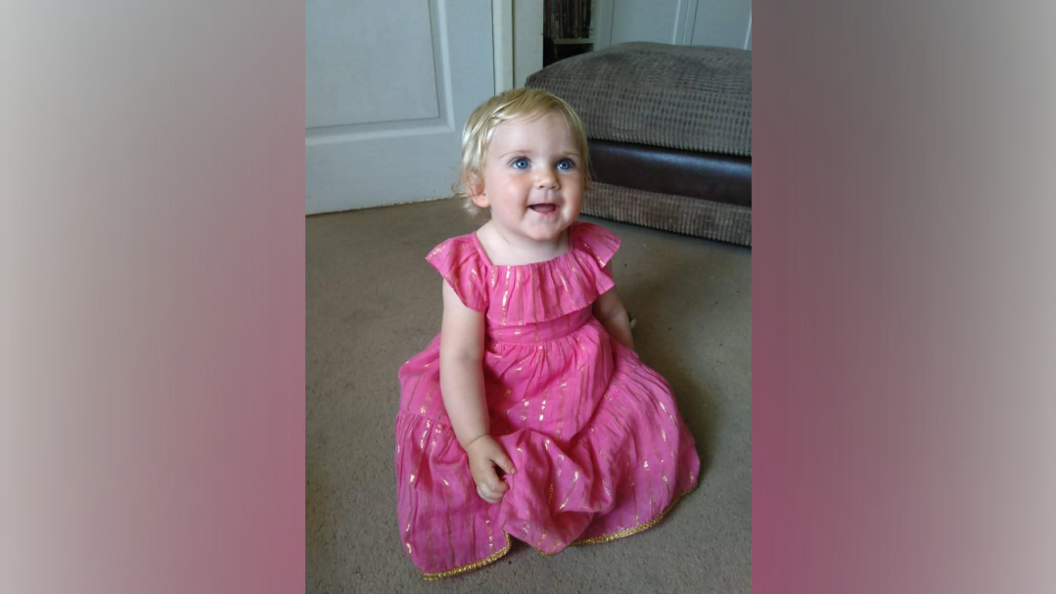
column 517, row 32
column 502, row 43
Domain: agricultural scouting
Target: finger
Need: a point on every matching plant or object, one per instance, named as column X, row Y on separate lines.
column 496, row 490
column 490, row 478
column 505, row 464
column 488, row 496
column 495, row 485
column 487, row 491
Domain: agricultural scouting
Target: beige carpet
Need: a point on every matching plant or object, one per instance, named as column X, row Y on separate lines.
column 373, row 302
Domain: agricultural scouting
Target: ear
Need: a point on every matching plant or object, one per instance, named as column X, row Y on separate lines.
column 477, row 194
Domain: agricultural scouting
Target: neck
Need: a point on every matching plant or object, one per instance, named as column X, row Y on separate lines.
column 507, row 248
column 523, row 244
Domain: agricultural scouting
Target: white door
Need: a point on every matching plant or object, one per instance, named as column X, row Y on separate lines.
column 388, row 87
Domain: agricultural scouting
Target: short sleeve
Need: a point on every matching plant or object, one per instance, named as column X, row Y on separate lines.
column 461, row 265
column 599, row 245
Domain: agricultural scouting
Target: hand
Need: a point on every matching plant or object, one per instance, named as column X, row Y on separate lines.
column 484, row 455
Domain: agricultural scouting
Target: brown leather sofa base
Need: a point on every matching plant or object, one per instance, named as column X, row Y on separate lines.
column 709, row 176
column 709, row 219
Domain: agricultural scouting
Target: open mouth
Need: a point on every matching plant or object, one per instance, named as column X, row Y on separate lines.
column 543, row 208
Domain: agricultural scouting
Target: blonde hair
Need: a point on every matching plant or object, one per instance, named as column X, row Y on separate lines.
column 515, row 104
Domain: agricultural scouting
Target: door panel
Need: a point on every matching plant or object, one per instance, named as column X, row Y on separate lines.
column 388, row 87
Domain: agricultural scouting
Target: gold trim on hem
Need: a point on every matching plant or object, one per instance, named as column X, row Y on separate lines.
column 585, row 541
column 475, row 565
column 639, row 528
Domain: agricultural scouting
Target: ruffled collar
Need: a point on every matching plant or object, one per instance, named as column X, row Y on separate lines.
column 533, row 292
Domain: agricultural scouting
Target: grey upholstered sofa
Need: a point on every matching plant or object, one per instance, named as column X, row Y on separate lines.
column 670, row 130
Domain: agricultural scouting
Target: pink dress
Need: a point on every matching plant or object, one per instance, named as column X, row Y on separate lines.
column 600, row 449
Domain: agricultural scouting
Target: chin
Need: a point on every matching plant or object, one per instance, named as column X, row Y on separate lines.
column 549, row 233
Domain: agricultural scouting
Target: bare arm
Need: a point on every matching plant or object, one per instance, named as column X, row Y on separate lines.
column 461, row 368
column 462, row 389
column 609, row 310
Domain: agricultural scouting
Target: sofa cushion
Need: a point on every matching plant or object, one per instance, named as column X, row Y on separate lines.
column 701, row 218
column 681, row 97
column 722, row 178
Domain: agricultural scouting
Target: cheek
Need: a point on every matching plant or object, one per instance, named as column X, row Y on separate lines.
column 575, row 185
column 515, row 188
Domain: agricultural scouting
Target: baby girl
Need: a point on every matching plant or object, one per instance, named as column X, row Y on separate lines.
column 530, row 415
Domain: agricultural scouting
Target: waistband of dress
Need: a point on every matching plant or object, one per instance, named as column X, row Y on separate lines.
column 540, row 331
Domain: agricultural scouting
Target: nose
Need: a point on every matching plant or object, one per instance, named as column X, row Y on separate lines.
column 546, row 179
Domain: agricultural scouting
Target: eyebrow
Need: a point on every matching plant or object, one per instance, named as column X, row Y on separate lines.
column 526, row 151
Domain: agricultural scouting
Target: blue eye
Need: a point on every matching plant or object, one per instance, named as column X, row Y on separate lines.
column 519, row 160
column 564, row 162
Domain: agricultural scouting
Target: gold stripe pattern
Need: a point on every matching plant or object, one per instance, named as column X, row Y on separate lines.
column 506, row 296
column 571, row 489
column 629, row 531
column 636, row 529
column 475, row 565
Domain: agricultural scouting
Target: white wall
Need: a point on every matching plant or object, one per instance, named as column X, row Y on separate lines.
column 645, row 20
column 722, row 23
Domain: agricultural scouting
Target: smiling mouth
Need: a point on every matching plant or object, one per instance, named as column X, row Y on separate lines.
column 543, row 208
